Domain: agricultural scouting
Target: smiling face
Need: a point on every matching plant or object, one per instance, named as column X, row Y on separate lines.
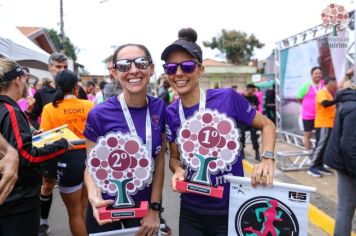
column 317, row 75
column 184, row 83
column 135, row 80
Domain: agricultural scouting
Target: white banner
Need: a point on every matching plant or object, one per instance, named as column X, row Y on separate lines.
column 280, row 210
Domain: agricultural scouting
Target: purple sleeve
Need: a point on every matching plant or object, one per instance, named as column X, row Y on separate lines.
column 170, row 132
column 242, row 110
column 91, row 129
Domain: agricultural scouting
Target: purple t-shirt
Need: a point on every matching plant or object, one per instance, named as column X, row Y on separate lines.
column 108, row 117
column 236, row 107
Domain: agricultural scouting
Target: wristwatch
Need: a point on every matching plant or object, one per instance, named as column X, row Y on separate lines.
column 156, row 206
column 268, row 155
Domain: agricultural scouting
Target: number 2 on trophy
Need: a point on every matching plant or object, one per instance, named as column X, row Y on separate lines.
column 119, row 158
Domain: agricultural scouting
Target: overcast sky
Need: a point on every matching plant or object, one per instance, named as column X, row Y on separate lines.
column 97, row 26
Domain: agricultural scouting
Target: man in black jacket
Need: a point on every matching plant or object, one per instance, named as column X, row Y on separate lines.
column 57, row 63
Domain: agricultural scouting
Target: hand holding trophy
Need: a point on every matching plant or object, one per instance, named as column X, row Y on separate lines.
column 120, row 166
column 208, row 142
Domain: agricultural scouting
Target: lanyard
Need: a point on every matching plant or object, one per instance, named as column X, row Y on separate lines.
column 202, row 102
column 131, row 125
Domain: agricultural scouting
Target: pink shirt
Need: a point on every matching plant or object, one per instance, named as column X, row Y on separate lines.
column 260, row 99
column 23, row 102
column 308, row 95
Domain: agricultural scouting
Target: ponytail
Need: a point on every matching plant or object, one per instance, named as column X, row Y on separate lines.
column 58, row 97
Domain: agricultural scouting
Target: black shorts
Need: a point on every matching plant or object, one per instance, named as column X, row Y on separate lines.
column 49, row 169
column 308, row 125
column 70, row 168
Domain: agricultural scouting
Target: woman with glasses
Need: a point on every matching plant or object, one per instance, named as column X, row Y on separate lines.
column 66, row 108
column 20, row 213
column 199, row 214
column 139, row 116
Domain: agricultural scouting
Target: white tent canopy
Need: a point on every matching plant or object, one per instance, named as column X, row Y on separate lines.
column 16, row 46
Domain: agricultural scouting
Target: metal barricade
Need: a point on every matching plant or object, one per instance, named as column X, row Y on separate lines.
column 293, row 160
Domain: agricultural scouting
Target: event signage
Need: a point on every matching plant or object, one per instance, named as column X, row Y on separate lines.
column 121, row 166
column 208, row 142
column 279, row 210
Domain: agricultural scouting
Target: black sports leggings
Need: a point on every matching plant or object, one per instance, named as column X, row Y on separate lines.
column 24, row 223
column 191, row 223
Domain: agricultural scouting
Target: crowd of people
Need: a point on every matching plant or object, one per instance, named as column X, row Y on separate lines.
column 29, row 174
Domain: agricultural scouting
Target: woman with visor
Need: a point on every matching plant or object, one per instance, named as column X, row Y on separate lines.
column 199, row 214
column 20, row 213
column 128, row 113
column 66, row 108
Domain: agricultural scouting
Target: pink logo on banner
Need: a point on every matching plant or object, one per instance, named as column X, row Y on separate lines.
column 208, row 142
column 120, row 165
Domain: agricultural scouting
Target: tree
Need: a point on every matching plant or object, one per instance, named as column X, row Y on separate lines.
column 208, row 143
column 69, row 48
column 120, row 165
column 336, row 16
column 237, row 46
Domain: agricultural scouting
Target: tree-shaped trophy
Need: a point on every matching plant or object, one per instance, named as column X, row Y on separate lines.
column 336, row 16
column 208, row 141
column 120, row 166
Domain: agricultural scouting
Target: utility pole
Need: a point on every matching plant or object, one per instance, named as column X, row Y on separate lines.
column 61, row 26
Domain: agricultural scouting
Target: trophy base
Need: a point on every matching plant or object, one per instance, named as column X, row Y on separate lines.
column 188, row 187
column 106, row 213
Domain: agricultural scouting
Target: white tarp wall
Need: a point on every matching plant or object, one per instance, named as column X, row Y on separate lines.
column 16, row 46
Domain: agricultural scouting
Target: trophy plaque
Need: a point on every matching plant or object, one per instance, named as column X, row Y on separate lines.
column 208, row 142
column 120, row 165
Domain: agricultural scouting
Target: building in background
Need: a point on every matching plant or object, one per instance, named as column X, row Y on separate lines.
column 226, row 75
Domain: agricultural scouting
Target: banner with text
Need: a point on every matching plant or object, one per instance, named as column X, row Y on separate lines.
column 280, row 210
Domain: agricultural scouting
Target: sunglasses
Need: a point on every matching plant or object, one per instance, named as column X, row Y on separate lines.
column 141, row 63
column 186, row 66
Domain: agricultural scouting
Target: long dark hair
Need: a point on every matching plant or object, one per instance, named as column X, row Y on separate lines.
column 65, row 81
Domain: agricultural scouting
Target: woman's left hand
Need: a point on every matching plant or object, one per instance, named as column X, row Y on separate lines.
column 149, row 224
column 262, row 173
